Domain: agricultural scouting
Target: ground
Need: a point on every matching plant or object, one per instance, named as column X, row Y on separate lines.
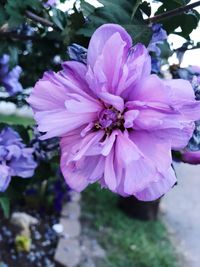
column 127, row 242
column 182, row 214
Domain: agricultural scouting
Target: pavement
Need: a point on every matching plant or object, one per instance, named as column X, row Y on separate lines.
column 181, row 214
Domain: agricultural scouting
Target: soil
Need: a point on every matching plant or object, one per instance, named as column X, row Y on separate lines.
column 44, row 242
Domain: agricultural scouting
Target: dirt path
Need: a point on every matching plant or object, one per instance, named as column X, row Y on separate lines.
column 182, row 214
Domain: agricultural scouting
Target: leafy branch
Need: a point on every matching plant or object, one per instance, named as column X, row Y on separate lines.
column 138, row 2
column 39, row 19
column 172, row 13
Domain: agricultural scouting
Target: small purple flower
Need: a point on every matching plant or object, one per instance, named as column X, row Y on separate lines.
column 192, row 74
column 159, row 35
column 50, row 3
column 194, row 69
column 77, row 53
column 10, row 78
column 15, row 158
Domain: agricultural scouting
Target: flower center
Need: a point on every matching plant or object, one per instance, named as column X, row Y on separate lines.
column 110, row 119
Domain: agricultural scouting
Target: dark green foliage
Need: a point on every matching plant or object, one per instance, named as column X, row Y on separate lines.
column 119, row 12
column 59, row 18
column 5, row 205
column 186, row 21
column 16, row 9
column 3, row 16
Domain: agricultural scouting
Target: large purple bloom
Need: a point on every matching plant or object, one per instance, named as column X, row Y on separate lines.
column 15, row 158
column 9, row 79
column 117, row 122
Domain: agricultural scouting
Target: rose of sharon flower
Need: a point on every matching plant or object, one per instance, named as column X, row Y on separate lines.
column 15, row 158
column 117, row 122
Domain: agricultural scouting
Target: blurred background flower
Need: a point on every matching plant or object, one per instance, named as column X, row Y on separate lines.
column 9, row 78
column 15, row 158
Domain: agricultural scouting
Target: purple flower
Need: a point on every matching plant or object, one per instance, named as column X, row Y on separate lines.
column 15, row 158
column 191, row 157
column 194, row 69
column 117, row 122
column 50, row 3
column 9, row 78
column 159, row 35
column 192, row 74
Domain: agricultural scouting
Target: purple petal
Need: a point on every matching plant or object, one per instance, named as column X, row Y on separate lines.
column 5, row 177
column 9, row 137
column 24, row 166
column 138, row 66
column 101, row 36
column 191, row 157
column 158, row 188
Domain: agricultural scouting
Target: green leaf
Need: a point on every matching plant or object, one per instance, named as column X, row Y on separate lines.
column 171, row 2
column 13, row 51
column 186, row 21
column 87, row 8
column 119, row 12
column 140, row 33
column 166, row 52
column 182, row 2
column 59, row 18
column 146, row 8
column 16, row 8
column 74, row 22
column 5, row 205
column 3, row 16
column 189, row 23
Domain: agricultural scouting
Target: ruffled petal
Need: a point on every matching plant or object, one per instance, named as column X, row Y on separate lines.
column 109, row 172
column 137, row 67
column 23, row 166
column 100, row 38
column 150, row 89
column 112, row 100
column 179, row 138
column 10, row 137
column 158, row 188
column 58, row 111
column 157, row 150
column 80, row 173
column 137, row 170
column 129, row 118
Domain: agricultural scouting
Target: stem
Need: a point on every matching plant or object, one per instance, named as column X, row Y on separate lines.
column 138, row 2
column 172, row 13
column 41, row 20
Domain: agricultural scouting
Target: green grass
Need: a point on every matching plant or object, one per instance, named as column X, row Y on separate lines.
column 128, row 242
column 13, row 119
